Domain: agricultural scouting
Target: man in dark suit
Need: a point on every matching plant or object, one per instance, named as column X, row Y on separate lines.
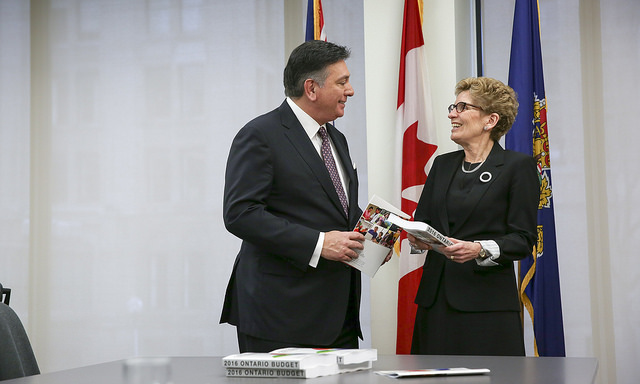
column 289, row 285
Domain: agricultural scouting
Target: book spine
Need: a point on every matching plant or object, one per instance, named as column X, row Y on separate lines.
column 266, row 372
column 260, row 364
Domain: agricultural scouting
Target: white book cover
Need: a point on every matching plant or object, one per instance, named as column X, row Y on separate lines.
column 280, row 360
column 307, row 373
column 422, row 231
column 342, row 356
column 345, row 368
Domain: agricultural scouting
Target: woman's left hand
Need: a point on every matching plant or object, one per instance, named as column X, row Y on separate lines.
column 461, row 251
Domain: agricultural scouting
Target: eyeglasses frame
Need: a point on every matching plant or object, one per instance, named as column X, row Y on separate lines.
column 464, row 106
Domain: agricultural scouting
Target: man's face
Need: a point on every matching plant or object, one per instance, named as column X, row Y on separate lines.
column 332, row 96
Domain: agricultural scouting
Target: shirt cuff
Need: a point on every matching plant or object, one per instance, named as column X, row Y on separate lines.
column 492, row 249
column 316, row 252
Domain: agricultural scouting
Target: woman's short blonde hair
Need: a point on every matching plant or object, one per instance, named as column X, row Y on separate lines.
column 494, row 97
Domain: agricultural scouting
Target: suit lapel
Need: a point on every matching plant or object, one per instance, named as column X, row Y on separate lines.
column 300, row 141
column 449, row 170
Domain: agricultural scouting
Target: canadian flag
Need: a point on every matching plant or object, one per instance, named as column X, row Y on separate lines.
column 416, row 138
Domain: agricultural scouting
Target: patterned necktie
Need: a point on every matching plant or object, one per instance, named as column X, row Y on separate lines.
column 333, row 170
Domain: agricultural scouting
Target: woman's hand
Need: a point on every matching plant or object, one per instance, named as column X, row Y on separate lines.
column 461, row 251
column 418, row 244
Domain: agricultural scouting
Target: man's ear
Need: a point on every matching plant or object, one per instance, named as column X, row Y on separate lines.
column 310, row 87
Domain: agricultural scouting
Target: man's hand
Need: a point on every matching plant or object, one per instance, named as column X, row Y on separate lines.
column 341, row 246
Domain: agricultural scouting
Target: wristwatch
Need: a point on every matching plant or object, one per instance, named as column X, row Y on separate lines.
column 483, row 254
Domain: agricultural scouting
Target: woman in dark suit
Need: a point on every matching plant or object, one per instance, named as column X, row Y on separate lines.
column 485, row 199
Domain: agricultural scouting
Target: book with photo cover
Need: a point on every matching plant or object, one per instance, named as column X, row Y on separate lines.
column 379, row 233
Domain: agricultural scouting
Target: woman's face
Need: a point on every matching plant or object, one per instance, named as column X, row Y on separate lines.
column 466, row 126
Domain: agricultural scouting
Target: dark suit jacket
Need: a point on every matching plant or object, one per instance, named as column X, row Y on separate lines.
column 504, row 209
column 278, row 197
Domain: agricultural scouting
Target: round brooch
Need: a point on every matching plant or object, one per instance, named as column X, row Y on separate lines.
column 485, row 177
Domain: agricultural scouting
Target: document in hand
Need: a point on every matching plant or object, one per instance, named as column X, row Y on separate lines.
column 422, row 231
column 379, row 235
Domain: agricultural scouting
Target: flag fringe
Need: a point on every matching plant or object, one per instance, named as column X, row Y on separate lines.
column 526, row 302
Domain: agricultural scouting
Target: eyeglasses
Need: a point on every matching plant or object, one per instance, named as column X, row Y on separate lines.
column 462, row 106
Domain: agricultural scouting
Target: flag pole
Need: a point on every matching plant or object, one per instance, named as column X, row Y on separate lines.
column 479, row 45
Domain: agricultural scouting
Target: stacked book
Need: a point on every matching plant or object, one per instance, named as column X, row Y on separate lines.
column 300, row 363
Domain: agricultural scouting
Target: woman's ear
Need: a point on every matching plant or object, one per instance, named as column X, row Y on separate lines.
column 491, row 122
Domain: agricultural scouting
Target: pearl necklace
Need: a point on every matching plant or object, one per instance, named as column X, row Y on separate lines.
column 471, row 170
